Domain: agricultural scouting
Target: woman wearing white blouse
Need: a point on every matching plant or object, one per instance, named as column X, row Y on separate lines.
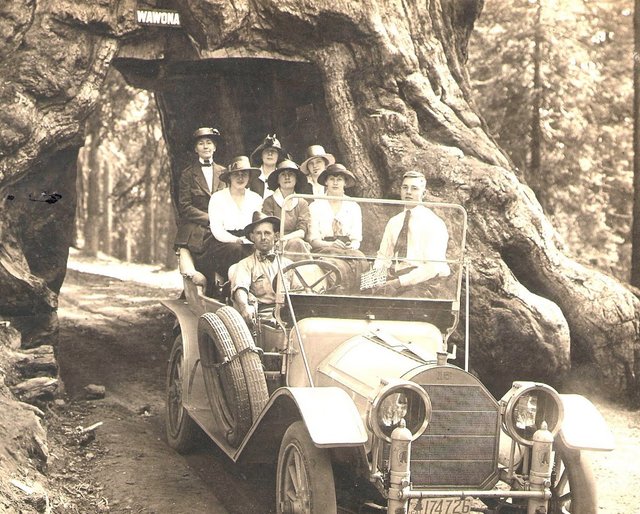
column 336, row 224
column 230, row 210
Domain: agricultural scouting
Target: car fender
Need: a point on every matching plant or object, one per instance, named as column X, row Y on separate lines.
column 583, row 427
column 329, row 414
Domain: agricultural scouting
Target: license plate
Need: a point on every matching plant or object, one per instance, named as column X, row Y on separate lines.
column 440, row 506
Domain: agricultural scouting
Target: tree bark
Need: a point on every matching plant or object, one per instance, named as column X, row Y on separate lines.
column 396, row 95
column 635, row 226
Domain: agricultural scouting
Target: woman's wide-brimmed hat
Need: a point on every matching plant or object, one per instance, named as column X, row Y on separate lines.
column 287, row 165
column 261, row 217
column 211, row 133
column 240, row 163
column 270, row 141
column 337, row 169
column 312, row 152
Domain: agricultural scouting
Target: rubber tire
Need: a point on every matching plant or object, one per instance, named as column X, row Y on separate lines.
column 226, row 386
column 581, row 483
column 182, row 432
column 313, row 466
column 250, row 360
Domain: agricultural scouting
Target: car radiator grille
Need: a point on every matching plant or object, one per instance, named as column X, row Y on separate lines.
column 459, row 449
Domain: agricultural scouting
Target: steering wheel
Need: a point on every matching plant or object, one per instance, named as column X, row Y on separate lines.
column 329, row 270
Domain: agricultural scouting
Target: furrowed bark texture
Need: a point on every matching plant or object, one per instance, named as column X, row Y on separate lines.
column 391, row 75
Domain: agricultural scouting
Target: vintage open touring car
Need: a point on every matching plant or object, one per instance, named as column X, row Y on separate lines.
column 347, row 385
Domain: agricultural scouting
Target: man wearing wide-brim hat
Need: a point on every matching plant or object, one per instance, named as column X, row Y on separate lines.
column 267, row 155
column 252, row 277
column 197, row 182
column 230, row 210
column 316, row 160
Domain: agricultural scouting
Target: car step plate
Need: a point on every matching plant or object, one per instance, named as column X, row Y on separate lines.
column 440, row 506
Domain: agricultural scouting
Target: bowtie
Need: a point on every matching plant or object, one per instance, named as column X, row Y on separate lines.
column 268, row 257
column 206, row 163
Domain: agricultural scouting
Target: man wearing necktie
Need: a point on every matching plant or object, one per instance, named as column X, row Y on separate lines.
column 252, row 277
column 197, row 183
column 414, row 244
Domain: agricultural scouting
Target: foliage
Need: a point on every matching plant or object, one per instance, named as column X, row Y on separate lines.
column 126, row 151
column 585, row 181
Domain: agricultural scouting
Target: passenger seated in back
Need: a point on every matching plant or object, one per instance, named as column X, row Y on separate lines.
column 197, row 183
column 230, row 210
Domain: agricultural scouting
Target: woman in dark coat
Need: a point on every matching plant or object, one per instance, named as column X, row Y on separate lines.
column 197, row 183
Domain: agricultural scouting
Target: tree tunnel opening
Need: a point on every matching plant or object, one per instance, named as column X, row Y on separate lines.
column 245, row 98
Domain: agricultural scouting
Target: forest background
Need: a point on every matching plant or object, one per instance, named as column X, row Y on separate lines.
column 553, row 79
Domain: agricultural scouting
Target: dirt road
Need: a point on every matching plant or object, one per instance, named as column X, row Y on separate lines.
column 116, row 334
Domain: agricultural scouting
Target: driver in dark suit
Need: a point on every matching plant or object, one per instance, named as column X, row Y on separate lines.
column 197, row 183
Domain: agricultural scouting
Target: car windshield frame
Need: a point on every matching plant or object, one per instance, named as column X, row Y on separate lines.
column 377, row 302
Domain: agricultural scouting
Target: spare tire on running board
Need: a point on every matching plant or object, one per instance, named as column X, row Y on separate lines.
column 249, row 358
column 224, row 378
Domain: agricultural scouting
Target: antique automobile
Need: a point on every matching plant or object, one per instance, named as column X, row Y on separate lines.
column 347, row 388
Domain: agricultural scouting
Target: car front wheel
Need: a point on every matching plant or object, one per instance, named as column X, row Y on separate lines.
column 574, row 487
column 305, row 483
column 182, row 431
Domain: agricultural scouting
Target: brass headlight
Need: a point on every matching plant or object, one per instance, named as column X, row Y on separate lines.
column 396, row 401
column 526, row 406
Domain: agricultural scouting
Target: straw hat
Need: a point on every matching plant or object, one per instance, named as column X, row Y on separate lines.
column 209, row 132
column 312, row 152
column 240, row 163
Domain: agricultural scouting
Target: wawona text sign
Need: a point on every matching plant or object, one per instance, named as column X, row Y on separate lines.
column 158, row 17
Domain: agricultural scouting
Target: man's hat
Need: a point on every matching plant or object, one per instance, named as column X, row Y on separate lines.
column 312, row 152
column 240, row 163
column 337, row 169
column 261, row 217
column 287, row 165
column 209, row 132
column 270, row 141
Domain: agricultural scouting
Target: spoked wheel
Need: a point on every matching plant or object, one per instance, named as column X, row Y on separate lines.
column 574, row 487
column 182, row 431
column 305, row 483
column 328, row 281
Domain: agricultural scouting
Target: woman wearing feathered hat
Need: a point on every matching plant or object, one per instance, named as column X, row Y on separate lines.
column 197, row 183
column 286, row 180
column 230, row 210
column 267, row 155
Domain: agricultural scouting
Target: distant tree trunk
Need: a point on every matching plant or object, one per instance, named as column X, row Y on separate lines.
column 78, row 222
column 635, row 230
column 92, row 222
column 107, row 207
column 536, row 180
column 170, row 261
column 148, row 222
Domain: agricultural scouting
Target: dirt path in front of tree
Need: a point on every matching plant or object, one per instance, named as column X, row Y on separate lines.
column 116, row 334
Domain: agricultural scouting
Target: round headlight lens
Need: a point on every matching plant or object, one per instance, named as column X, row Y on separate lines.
column 392, row 409
column 400, row 401
column 528, row 404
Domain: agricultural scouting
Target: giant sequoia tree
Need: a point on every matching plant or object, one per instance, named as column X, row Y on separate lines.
column 382, row 82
